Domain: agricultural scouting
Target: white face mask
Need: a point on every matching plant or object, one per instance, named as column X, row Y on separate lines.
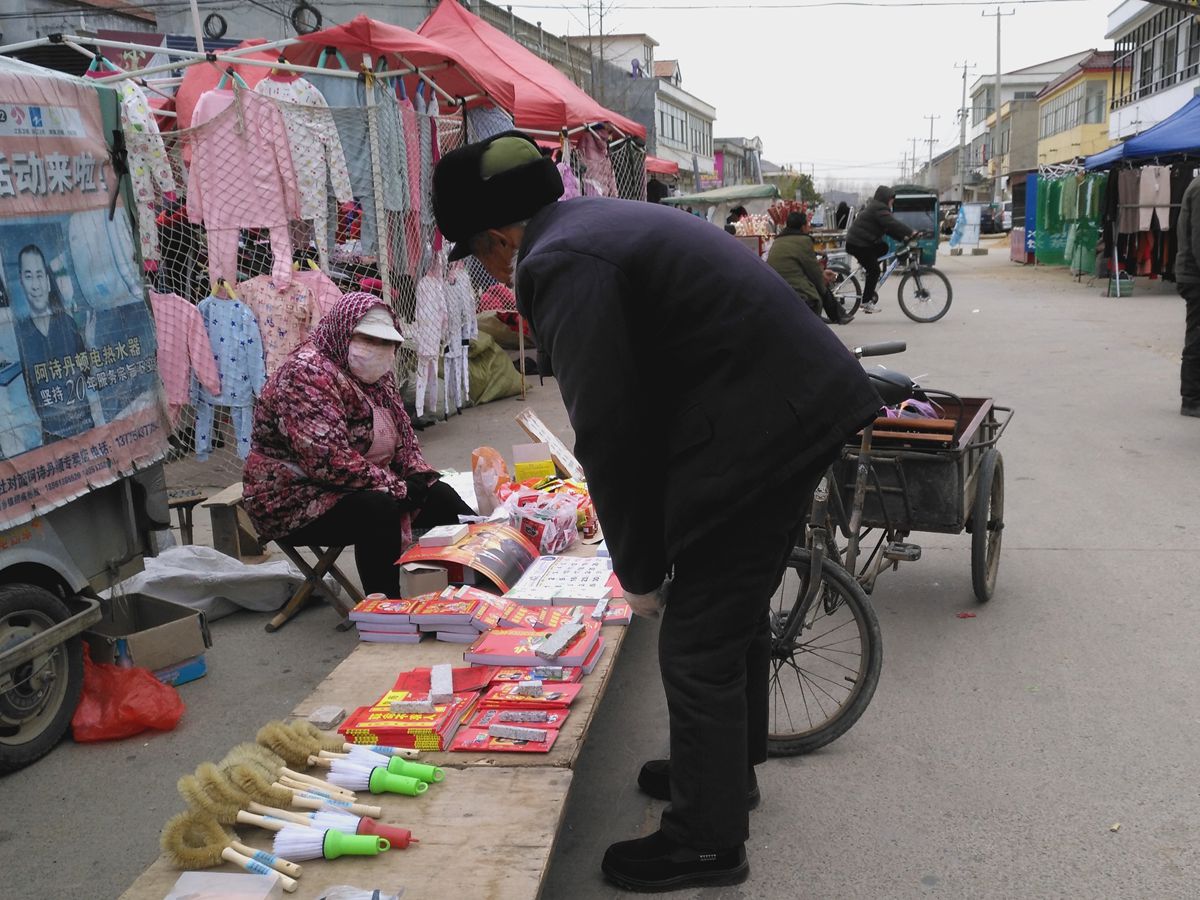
column 369, row 362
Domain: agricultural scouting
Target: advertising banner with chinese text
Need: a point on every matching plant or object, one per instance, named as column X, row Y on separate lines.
column 80, row 398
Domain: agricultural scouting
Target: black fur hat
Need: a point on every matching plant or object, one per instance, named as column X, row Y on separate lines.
column 493, row 183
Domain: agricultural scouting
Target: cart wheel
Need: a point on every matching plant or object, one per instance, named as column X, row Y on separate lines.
column 37, row 698
column 987, row 524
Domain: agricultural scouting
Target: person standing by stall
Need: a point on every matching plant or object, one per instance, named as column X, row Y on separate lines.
column 1187, row 282
column 666, row 336
column 864, row 240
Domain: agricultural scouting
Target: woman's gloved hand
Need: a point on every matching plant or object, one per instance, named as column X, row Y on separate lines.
column 418, row 489
column 649, row 605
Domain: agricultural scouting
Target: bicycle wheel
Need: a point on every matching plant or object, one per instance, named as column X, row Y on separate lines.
column 987, row 524
column 821, row 682
column 929, row 297
column 848, row 293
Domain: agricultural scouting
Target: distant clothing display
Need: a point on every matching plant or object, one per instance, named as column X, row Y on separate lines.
column 237, row 349
column 241, row 176
column 285, row 314
column 316, row 151
column 184, row 350
column 1154, row 197
column 1129, row 194
column 462, row 327
column 598, row 179
column 431, row 321
column 149, row 166
column 484, row 121
column 354, row 130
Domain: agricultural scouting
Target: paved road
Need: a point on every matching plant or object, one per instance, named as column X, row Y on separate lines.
column 998, row 752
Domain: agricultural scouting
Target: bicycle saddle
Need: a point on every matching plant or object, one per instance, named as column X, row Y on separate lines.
column 894, row 387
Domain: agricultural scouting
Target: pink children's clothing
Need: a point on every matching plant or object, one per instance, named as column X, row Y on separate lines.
column 285, row 315
column 241, row 176
column 316, row 151
column 183, row 349
column 324, row 290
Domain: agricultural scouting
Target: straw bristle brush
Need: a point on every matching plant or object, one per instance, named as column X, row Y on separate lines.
column 197, row 841
column 316, row 843
column 376, row 779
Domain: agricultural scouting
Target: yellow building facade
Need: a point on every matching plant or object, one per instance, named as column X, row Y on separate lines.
column 1073, row 111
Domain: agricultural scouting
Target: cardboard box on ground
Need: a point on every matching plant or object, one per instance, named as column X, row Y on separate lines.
column 167, row 638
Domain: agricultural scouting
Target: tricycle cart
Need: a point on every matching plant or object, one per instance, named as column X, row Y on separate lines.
column 942, row 475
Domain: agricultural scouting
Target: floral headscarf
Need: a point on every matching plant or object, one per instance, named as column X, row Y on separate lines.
column 332, row 337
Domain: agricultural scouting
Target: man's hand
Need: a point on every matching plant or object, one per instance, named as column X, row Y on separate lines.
column 648, row 605
column 830, row 276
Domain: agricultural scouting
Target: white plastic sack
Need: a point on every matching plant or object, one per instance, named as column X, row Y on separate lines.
column 216, row 584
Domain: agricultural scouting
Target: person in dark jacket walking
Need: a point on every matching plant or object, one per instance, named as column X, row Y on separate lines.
column 794, row 257
column 663, row 332
column 864, row 240
column 1187, row 282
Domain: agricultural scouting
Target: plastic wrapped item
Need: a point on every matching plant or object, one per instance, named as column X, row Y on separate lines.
column 119, row 702
column 549, row 520
column 346, row 892
column 225, row 886
column 490, row 472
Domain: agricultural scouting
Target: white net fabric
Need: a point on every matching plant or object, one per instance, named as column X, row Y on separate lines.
column 277, row 200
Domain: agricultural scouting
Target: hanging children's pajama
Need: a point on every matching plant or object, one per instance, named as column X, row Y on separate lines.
column 148, row 163
column 431, row 340
column 241, row 176
column 316, row 152
column 238, row 350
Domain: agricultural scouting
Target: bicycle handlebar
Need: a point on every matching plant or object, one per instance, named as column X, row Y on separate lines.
column 884, row 348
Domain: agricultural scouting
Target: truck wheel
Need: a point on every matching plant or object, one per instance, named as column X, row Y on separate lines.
column 37, row 698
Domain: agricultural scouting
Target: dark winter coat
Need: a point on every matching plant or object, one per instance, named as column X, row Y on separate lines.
column 875, row 221
column 792, row 255
column 1187, row 257
column 693, row 379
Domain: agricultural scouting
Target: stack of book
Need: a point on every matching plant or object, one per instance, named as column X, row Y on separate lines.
column 387, row 620
column 379, row 724
column 519, row 647
column 506, row 704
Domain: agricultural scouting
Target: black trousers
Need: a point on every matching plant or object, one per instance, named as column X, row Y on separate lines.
column 1189, row 369
column 370, row 520
column 868, row 256
column 714, row 653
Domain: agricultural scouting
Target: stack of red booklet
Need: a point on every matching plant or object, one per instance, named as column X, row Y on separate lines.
column 519, row 646
column 378, row 724
column 387, row 620
column 504, row 703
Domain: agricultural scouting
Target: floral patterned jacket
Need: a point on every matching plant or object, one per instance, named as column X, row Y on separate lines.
column 313, row 427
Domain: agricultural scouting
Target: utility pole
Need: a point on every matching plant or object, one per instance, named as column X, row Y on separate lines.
column 996, row 192
column 913, row 159
column 929, row 140
column 601, row 98
column 962, row 134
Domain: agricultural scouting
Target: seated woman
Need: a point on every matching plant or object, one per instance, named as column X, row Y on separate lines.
column 333, row 457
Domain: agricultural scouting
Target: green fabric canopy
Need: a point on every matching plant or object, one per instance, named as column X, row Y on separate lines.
column 732, row 194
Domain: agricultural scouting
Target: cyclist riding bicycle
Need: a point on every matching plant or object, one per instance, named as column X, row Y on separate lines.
column 864, row 240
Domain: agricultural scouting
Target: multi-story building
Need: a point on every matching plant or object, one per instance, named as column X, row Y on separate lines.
column 1073, row 110
column 1155, row 67
column 738, row 160
column 1017, row 85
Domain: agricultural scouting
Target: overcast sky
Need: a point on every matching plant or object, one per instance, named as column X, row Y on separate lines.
column 843, row 89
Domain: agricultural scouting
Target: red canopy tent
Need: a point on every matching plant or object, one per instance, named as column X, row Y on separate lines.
column 546, row 100
column 661, row 166
column 455, row 74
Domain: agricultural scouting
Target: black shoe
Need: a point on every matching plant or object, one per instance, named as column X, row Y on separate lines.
column 1190, row 409
column 656, row 863
column 655, row 780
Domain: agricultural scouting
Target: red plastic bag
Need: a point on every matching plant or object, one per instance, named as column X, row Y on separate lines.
column 117, row 702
